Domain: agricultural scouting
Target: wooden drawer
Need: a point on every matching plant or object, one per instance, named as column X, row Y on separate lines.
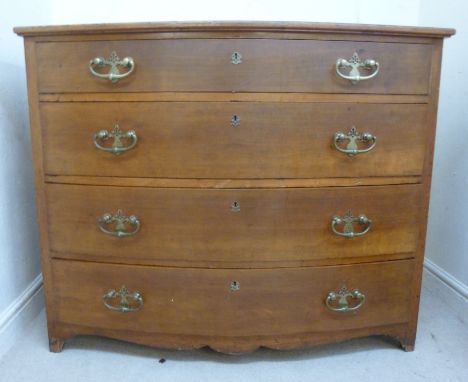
column 198, row 227
column 205, row 65
column 268, row 302
column 197, row 140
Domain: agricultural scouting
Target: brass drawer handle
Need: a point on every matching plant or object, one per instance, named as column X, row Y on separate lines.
column 119, row 222
column 114, row 62
column 353, row 137
column 340, row 302
column 117, row 135
column 353, row 64
column 124, row 305
column 347, row 221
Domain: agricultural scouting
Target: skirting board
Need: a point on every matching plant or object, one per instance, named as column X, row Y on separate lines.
column 20, row 313
column 453, row 292
column 447, row 278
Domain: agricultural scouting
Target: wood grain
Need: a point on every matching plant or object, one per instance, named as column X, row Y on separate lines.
column 410, row 340
column 205, row 65
column 234, row 97
column 41, row 207
column 234, row 345
column 198, row 225
column 229, row 183
column 273, row 140
column 201, row 302
column 256, row 35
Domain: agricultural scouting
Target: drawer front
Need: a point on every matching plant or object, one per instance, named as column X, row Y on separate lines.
column 207, row 301
column 206, row 65
column 230, row 226
column 234, row 140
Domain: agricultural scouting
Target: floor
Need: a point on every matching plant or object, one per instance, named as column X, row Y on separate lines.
column 440, row 355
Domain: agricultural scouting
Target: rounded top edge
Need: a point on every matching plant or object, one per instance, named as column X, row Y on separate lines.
column 241, row 26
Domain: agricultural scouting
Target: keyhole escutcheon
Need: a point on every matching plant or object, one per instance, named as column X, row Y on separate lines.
column 235, row 285
column 235, row 120
column 235, row 206
column 236, row 58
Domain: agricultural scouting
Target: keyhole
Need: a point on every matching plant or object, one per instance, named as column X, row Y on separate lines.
column 235, row 120
column 236, row 58
column 235, row 285
column 235, row 206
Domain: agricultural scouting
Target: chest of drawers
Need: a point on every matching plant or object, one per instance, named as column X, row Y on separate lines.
column 232, row 185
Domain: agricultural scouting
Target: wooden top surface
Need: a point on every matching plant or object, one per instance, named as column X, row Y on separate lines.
column 245, row 26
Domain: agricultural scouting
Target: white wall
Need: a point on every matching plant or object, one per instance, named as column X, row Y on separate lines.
column 19, row 254
column 19, row 245
column 19, row 248
column 447, row 242
column 363, row 11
